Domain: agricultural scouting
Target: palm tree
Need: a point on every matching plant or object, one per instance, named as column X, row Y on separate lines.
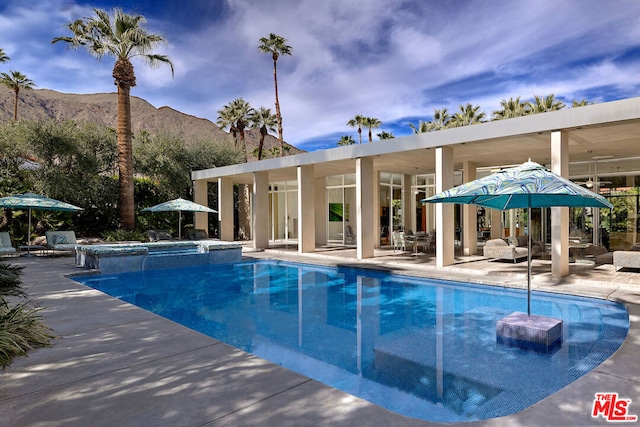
column 346, row 140
column 371, row 123
column 580, row 103
column 357, row 121
column 423, row 127
column 265, row 121
column 385, row 135
column 441, row 120
column 123, row 37
column 511, row 108
column 543, row 104
column 16, row 81
column 236, row 115
column 3, row 56
column 468, row 115
column 276, row 45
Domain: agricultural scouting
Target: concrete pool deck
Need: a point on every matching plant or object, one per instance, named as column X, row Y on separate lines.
column 115, row 364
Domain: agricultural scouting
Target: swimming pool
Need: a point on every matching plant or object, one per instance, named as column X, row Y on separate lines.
column 426, row 349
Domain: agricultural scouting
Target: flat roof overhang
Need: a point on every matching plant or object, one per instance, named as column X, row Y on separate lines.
column 609, row 130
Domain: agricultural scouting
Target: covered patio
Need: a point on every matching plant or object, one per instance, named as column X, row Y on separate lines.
column 566, row 141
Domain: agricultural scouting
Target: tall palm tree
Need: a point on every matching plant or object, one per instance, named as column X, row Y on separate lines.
column 236, row 115
column 385, row 135
column 357, row 121
column 468, row 115
column 123, row 37
column 276, row 45
column 346, row 140
column 265, row 121
column 371, row 123
column 15, row 81
column 512, row 107
column 542, row 104
column 3, row 56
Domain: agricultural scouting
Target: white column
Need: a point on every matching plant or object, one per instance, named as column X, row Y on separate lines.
column 200, row 196
column 260, row 210
column 469, row 214
column 444, row 211
column 225, row 209
column 407, row 196
column 306, row 211
column 321, row 210
column 496, row 224
column 364, row 207
column 560, row 215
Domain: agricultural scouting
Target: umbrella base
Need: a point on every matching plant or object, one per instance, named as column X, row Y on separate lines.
column 532, row 332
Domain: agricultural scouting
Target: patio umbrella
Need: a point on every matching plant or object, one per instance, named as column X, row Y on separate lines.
column 529, row 185
column 35, row 201
column 179, row 205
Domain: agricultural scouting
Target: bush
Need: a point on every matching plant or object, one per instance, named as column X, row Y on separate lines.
column 124, row 236
column 21, row 326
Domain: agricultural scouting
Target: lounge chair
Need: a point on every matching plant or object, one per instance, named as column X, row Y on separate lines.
column 6, row 248
column 61, row 240
column 159, row 235
column 196, row 234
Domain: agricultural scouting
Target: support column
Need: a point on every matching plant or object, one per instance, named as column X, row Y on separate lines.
column 407, row 196
column 225, row 209
column 200, row 196
column 496, row 224
column 321, row 210
column 469, row 214
column 306, row 211
column 560, row 215
column 444, row 211
column 260, row 210
column 364, row 207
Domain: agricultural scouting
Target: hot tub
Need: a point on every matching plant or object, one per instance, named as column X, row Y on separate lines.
column 125, row 257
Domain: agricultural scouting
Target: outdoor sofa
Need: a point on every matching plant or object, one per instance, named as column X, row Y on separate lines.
column 511, row 249
column 627, row 259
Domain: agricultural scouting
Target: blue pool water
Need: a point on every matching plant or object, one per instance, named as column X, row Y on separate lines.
column 423, row 348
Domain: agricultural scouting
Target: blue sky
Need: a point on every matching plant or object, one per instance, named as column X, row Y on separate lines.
column 393, row 60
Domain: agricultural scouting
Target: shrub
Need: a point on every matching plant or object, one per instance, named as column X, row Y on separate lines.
column 21, row 326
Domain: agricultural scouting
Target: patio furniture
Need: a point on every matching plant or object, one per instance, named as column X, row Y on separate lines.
column 627, row 259
column 6, row 248
column 159, row 235
column 399, row 241
column 61, row 240
column 512, row 249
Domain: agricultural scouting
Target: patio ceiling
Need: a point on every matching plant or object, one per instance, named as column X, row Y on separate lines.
column 608, row 133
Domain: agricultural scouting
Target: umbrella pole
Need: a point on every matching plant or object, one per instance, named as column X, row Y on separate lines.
column 29, row 235
column 529, row 262
column 180, row 225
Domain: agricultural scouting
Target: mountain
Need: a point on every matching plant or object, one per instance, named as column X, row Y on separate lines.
column 101, row 108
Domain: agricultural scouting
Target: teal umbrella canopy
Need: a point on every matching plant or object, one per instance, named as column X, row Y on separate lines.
column 36, row 201
column 179, row 205
column 529, row 185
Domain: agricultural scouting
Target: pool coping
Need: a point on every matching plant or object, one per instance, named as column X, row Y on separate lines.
column 133, row 379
